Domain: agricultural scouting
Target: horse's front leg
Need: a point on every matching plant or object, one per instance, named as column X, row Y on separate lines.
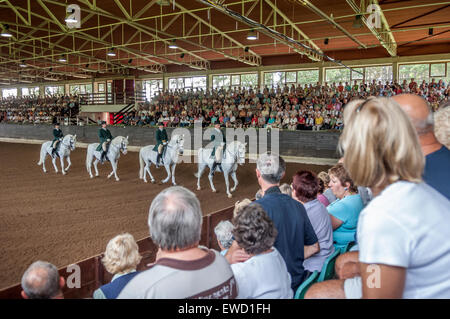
column 61, row 158
column 54, row 164
column 210, row 177
column 167, row 167
column 234, row 177
column 227, row 183
column 173, row 174
column 147, row 170
column 114, row 170
column 70, row 163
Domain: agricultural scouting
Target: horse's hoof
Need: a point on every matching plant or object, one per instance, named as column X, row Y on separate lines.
column 117, row 179
column 145, row 182
column 214, row 191
column 92, row 176
column 198, row 188
column 230, row 196
column 109, row 176
column 153, row 181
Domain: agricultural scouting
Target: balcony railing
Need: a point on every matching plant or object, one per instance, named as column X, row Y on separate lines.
column 112, row 98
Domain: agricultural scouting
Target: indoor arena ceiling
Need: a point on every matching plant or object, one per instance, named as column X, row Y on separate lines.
column 164, row 35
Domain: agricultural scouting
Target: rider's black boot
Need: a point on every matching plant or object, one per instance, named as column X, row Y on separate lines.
column 213, row 169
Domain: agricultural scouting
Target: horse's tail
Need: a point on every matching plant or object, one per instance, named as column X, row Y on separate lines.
column 141, row 164
column 42, row 155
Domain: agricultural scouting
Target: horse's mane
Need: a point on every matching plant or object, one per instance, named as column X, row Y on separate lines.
column 117, row 140
column 67, row 136
column 174, row 137
column 233, row 143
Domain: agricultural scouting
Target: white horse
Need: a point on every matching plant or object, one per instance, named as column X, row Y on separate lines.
column 118, row 144
column 234, row 154
column 148, row 156
column 65, row 147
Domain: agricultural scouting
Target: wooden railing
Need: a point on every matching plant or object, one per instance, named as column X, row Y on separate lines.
column 112, row 98
column 93, row 274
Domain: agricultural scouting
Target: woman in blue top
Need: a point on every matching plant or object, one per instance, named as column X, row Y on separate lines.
column 121, row 260
column 344, row 212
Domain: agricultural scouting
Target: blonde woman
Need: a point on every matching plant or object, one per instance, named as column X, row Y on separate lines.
column 121, row 259
column 402, row 233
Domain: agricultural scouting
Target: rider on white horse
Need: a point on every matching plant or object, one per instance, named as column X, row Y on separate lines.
column 63, row 152
column 218, row 137
column 161, row 143
column 148, row 155
column 105, row 138
column 118, row 144
column 57, row 138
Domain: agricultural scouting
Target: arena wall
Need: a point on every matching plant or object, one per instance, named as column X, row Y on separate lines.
column 321, row 144
column 93, row 273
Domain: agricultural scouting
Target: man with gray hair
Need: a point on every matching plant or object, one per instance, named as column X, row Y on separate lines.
column 175, row 222
column 224, row 235
column 296, row 239
column 437, row 156
column 42, row 281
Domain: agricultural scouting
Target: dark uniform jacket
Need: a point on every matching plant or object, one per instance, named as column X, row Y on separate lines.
column 161, row 137
column 103, row 134
column 57, row 134
column 215, row 136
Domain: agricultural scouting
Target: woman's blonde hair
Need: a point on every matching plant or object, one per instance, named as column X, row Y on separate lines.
column 122, row 254
column 325, row 178
column 286, row 189
column 379, row 144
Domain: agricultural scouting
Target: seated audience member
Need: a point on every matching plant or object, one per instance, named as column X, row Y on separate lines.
column 224, row 235
column 264, row 274
column 286, row 189
column 259, row 194
column 121, row 260
column 289, row 217
column 175, row 222
column 401, row 231
column 305, row 186
column 320, row 196
column 344, row 212
column 239, row 205
column 441, row 124
column 437, row 156
column 417, row 109
column 42, row 281
column 328, row 193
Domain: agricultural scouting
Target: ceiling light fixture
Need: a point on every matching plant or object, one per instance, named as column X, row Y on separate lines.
column 111, row 52
column 62, row 59
column 22, row 64
column 173, row 45
column 70, row 17
column 252, row 35
column 357, row 23
column 5, row 33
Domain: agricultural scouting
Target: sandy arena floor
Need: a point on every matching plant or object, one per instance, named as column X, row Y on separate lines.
column 64, row 219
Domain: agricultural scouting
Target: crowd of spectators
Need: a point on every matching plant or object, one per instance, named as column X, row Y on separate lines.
column 302, row 107
column 394, row 208
column 308, row 107
column 38, row 110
